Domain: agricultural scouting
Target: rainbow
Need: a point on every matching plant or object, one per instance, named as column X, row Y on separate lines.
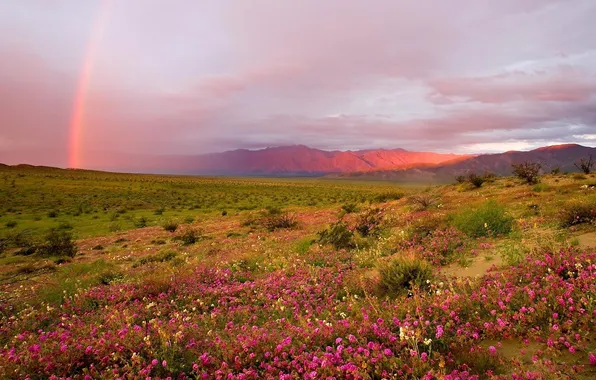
column 77, row 119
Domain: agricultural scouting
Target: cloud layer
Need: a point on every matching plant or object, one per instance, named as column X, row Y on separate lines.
column 187, row 77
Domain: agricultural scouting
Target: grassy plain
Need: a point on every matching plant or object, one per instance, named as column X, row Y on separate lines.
column 295, row 278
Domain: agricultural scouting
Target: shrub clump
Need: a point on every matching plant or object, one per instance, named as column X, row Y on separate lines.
column 190, row 237
column 585, row 165
column 170, row 226
column 161, row 257
column 403, row 275
column 490, row 219
column 369, row 222
column 338, row 235
column 578, row 212
column 388, row 196
column 476, row 180
column 58, row 243
column 350, row 208
column 422, row 201
column 528, row 171
column 279, row 221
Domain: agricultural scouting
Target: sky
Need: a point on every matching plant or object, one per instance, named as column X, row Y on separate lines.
column 85, row 78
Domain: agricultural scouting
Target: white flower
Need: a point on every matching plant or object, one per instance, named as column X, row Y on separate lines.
column 427, row 341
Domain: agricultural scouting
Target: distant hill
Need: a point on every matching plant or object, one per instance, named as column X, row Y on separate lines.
column 551, row 157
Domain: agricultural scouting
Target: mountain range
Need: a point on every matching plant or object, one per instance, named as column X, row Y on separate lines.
column 373, row 164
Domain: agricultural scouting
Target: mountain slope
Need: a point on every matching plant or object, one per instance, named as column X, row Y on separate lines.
column 551, row 157
column 300, row 159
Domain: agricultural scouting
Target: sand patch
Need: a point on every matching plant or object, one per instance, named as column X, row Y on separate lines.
column 479, row 266
column 587, row 240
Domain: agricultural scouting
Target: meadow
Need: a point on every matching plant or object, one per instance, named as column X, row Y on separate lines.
column 127, row 276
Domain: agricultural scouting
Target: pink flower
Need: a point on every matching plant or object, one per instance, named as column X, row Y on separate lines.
column 154, row 362
column 164, row 363
column 592, row 358
column 439, row 333
column 424, row 356
column 492, row 350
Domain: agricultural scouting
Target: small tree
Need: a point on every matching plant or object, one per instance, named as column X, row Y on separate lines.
column 528, row 171
column 585, row 165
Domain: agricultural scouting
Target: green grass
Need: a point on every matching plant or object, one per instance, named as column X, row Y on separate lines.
column 99, row 203
column 490, row 219
column 75, row 277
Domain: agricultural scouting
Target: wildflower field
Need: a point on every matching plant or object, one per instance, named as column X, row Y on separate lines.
column 120, row 276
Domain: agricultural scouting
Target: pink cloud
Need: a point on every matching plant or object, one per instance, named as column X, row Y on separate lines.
column 558, row 85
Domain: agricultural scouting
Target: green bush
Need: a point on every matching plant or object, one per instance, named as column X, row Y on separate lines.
column 402, row 275
column 349, row 208
column 11, row 224
column 578, row 212
column 388, row 196
column 369, row 221
column 170, row 225
column 161, row 257
column 58, row 243
column 190, row 236
column 141, row 222
column 490, row 219
column 476, row 180
column 338, row 235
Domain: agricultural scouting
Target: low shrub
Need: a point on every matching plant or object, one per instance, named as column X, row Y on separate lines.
column 528, row 171
column 369, row 221
column 490, row 219
column 388, row 196
column 579, row 176
column 140, row 222
column 280, row 221
column 423, row 201
column 58, row 243
column 338, row 235
column 160, row 257
column 403, row 275
column 349, row 208
column 170, row 225
column 11, row 224
column 476, row 180
column 578, row 212
column 460, row 179
column 190, row 237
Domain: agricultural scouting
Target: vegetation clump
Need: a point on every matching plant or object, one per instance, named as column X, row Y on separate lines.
column 404, row 275
column 190, row 236
column 490, row 219
column 280, row 221
column 161, row 257
column 585, row 165
column 338, row 235
column 476, row 180
column 170, row 225
column 528, row 171
column 578, row 212
column 58, row 243
column 369, row 221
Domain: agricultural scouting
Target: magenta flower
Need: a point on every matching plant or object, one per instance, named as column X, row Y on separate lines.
column 492, row 350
